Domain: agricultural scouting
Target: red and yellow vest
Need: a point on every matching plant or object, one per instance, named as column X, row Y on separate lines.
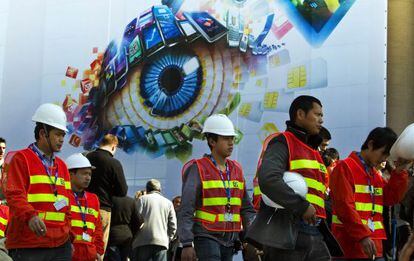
column 40, row 193
column 212, row 213
column 257, row 194
column 307, row 162
column 363, row 201
column 4, row 219
column 91, row 213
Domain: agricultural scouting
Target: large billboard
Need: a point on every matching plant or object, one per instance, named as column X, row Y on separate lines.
column 150, row 72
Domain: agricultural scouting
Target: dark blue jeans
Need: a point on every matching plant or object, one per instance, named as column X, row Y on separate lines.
column 308, row 248
column 208, row 249
column 117, row 253
column 61, row 253
column 150, row 253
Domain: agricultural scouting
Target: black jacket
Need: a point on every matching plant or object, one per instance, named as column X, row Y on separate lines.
column 279, row 229
column 125, row 221
column 108, row 178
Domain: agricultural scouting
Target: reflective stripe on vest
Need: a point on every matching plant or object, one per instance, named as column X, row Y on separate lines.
column 211, row 184
column 89, row 211
column 307, row 164
column 80, row 238
column 3, row 221
column 365, row 190
column 256, row 191
column 42, row 179
column 45, row 197
column 79, row 223
column 316, row 200
column 377, row 224
column 52, row 216
column 359, row 206
column 210, row 217
column 315, row 184
column 221, row 201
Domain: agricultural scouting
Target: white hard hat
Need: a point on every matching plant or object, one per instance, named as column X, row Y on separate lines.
column 51, row 114
column 219, row 124
column 404, row 146
column 78, row 161
column 295, row 181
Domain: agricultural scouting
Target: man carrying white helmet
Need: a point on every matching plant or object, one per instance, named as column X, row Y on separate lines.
column 37, row 191
column 215, row 205
column 86, row 221
column 293, row 232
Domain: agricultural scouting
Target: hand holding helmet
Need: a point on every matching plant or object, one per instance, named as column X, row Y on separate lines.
column 295, row 181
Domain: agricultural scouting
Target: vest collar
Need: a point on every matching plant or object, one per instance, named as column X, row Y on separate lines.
column 312, row 140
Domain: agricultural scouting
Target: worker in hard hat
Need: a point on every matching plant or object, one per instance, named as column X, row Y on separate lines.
column 359, row 192
column 297, row 231
column 214, row 206
column 86, row 225
column 37, row 192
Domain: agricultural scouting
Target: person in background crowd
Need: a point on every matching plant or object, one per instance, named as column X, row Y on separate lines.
column 359, row 193
column 174, row 251
column 326, row 139
column 2, row 153
column 408, row 250
column 37, row 191
column 330, row 158
column 108, row 179
column 86, row 222
column 139, row 193
column 215, row 205
column 151, row 243
column 125, row 224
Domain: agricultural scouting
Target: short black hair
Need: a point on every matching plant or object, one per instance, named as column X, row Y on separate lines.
column 2, row 140
column 381, row 137
column 303, row 102
column 39, row 126
column 325, row 134
column 212, row 136
column 329, row 155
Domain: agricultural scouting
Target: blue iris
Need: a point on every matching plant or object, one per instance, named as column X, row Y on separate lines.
column 171, row 81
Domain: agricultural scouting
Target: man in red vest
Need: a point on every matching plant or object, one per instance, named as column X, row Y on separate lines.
column 86, row 225
column 37, row 191
column 294, row 232
column 215, row 205
column 359, row 193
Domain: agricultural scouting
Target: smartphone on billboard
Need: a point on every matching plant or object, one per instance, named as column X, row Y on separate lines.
column 233, row 25
column 145, row 19
column 135, row 51
column 152, row 39
column 168, row 25
column 190, row 33
column 129, row 33
column 208, row 26
column 121, row 69
column 110, row 53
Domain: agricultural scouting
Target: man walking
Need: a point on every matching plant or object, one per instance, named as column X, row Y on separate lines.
column 37, row 192
column 215, row 205
column 86, row 225
column 293, row 233
column 108, row 180
column 359, row 193
column 160, row 224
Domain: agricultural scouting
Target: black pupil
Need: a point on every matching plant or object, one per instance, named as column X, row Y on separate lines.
column 171, row 79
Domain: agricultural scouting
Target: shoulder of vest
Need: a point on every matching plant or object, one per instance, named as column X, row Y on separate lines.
column 236, row 163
